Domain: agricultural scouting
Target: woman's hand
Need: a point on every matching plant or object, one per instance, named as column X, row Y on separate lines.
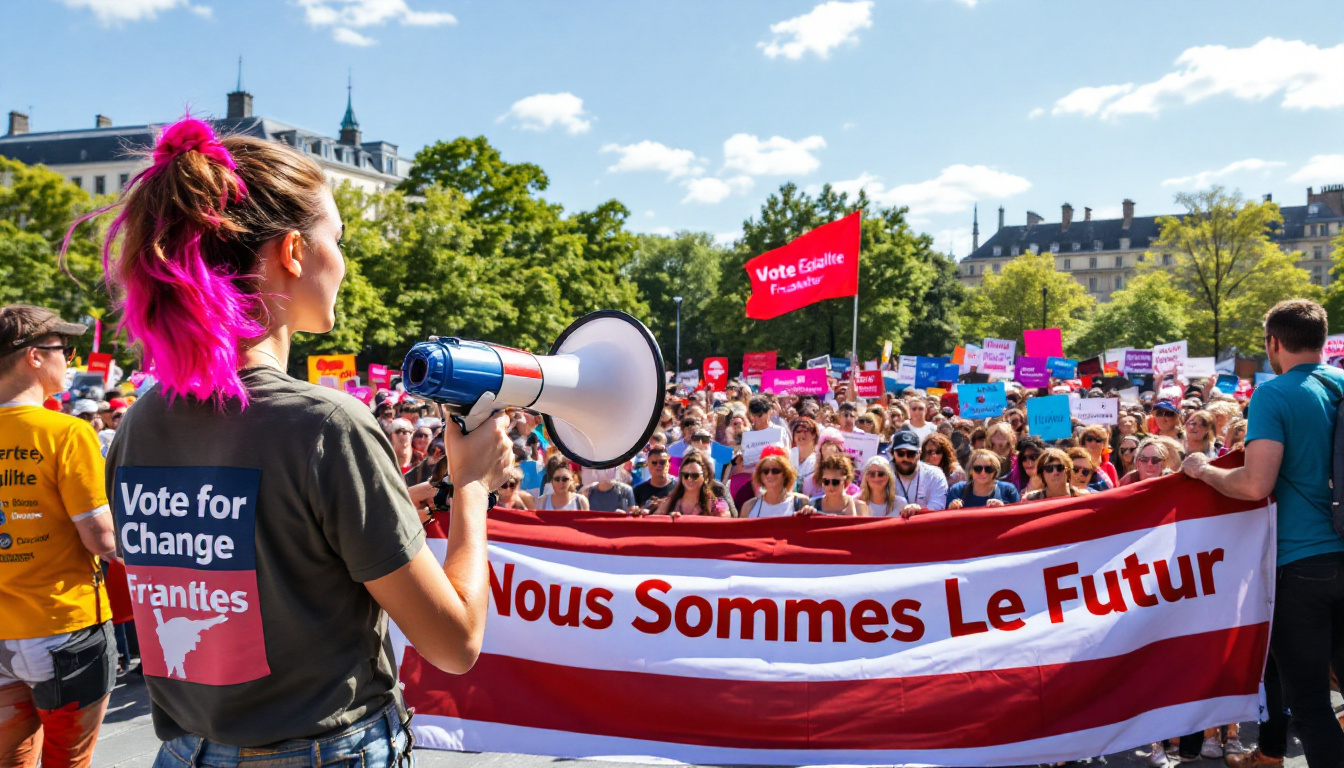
column 910, row 510
column 993, row 503
column 485, row 456
column 807, row 511
column 422, row 494
column 955, row 504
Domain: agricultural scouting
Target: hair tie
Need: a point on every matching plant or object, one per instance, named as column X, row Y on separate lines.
column 188, row 135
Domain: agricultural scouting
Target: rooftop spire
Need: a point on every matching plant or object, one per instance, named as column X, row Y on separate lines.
column 975, row 229
column 240, row 75
column 349, row 122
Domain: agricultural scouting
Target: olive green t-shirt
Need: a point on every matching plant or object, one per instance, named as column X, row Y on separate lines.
column 247, row 536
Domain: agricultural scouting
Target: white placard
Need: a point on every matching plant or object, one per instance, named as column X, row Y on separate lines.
column 820, row 362
column 1229, row 365
column 1200, row 366
column 755, row 441
column 689, row 379
column 870, row 365
column 905, row 373
column 1169, row 358
column 998, row 356
column 861, row 446
column 1116, row 357
column 1098, row 410
column 1129, row 396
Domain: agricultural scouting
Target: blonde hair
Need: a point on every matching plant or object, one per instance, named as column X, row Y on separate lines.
column 1057, row 455
column 790, row 474
column 1005, row 429
column 881, row 463
column 987, row 455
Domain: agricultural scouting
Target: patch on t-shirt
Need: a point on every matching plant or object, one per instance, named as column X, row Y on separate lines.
column 188, row 537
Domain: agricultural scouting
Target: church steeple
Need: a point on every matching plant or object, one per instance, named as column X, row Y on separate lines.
column 349, row 125
column 975, row 229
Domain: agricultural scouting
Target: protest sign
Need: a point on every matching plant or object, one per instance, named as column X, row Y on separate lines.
column 927, row 370
column 869, row 384
column 362, row 394
column 809, row 382
column 1226, row 365
column 716, row 373
column 1062, row 367
column 839, row 364
column 1043, row 342
column 689, row 379
column 986, row 606
column 378, row 376
column 1032, row 371
column 998, row 355
column 822, row 264
column 1169, row 357
column 959, row 355
column 1334, row 346
column 1090, row 367
column 872, row 365
column 1116, row 357
column 756, row 363
column 891, row 381
column 982, row 401
column 861, row 446
column 1129, row 396
column 823, row 361
column 1196, row 367
column 1227, row 382
column 335, row 368
column 949, row 372
column 905, row 373
column 974, row 358
column 886, row 352
column 756, row 440
column 101, row 364
column 1138, row 361
column 1096, row 410
column 1048, row 417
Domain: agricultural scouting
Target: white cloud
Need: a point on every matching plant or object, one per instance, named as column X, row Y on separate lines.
column 726, row 238
column 547, row 110
column 345, row 16
column 709, row 191
column 1035, row 113
column 1321, row 169
column 776, row 156
column 653, row 156
column 819, row 30
column 1309, row 77
column 954, row 190
column 955, row 241
column 1205, row 178
column 351, row 37
column 661, row 231
column 118, row 11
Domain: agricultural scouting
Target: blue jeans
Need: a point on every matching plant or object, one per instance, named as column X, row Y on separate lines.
column 377, row 741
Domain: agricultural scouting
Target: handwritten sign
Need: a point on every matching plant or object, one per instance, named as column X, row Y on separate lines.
column 905, row 372
column 1199, row 366
column 869, row 384
column 1062, row 367
column 1334, row 346
column 998, row 355
column 1097, row 410
column 1049, row 418
column 809, row 382
column 981, row 401
column 755, row 441
column 335, row 369
column 1169, row 357
column 1138, row 361
column 861, row 446
column 1033, row 371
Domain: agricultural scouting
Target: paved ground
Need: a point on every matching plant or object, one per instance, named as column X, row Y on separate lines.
column 127, row 741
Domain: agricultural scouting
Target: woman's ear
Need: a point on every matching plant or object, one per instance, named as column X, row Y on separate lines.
column 291, row 253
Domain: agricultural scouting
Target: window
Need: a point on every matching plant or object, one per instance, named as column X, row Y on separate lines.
column 100, row 185
column 1166, row 259
column 1316, row 252
column 1092, row 284
column 1034, row 248
column 1124, row 243
column 1092, row 263
column 1068, row 263
column 123, row 180
column 1096, row 245
column 78, row 181
column 1119, row 262
column 1143, row 256
column 1014, row 253
column 998, row 250
column 970, row 269
column 1054, row 247
column 996, row 268
column 1119, row 282
column 1316, row 275
column 1077, row 246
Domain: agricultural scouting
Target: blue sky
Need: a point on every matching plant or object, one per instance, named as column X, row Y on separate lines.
column 692, row 112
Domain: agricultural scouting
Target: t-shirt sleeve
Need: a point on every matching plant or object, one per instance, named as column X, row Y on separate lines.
column 80, row 471
column 360, row 499
column 955, row 491
column 1009, row 492
column 937, row 491
column 1266, row 422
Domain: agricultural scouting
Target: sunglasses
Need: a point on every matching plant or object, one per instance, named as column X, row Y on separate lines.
column 905, row 453
column 1164, row 415
column 875, row 474
column 692, row 476
column 1126, row 451
column 1031, row 456
column 831, row 481
column 938, row 451
column 1093, row 439
column 982, row 469
column 1150, row 460
column 67, row 349
column 561, row 479
column 1052, row 468
column 662, row 463
column 510, row 485
column 1082, row 472
column 771, row 471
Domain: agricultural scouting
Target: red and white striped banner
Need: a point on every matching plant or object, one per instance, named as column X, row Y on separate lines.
column 1002, row 636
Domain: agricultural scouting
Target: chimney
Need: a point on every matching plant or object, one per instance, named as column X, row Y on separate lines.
column 18, row 123
column 240, row 105
column 1128, row 206
column 1269, row 198
column 1065, row 217
column 1087, row 214
column 1033, row 218
column 102, row 121
column 1000, row 217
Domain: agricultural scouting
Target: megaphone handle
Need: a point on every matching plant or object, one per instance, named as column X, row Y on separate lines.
column 482, row 410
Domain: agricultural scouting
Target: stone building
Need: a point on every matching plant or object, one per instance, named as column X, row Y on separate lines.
column 1102, row 254
column 103, row 159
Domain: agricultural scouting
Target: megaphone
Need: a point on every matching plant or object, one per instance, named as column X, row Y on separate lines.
column 600, row 390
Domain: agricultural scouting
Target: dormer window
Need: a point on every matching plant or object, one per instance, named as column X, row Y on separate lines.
column 1054, row 247
column 1077, row 246
column 1096, row 245
column 998, row 250
column 1014, row 250
column 1124, row 243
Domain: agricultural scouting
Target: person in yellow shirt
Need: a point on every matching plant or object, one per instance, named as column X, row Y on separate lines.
column 57, row 655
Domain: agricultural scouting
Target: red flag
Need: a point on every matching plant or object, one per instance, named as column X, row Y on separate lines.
column 822, row 264
column 716, row 374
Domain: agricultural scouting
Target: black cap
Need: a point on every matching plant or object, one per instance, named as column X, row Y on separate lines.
column 904, row 438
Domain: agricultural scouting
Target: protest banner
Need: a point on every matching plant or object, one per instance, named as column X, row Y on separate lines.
column 1169, row 358
column 822, row 264
column 861, row 446
column 1116, row 357
column 905, row 373
column 379, row 377
column 337, row 368
column 754, row 441
column 869, row 384
column 756, row 363
column 982, row 401
column 1334, row 346
column 1049, row 417
column 927, row 370
column 1032, row 371
column 997, row 356
column 857, row 640
column 1063, row 367
column 1199, row 367
column 1096, row 410
column 101, row 364
column 809, row 382
column 1043, row 342
column 1138, row 361
column 716, row 373
column 824, row 361
column 1090, row 367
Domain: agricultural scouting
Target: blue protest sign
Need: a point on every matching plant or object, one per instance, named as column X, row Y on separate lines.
column 839, row 364
column 1063, row 367
column 1048, row 417
column 1227, row 382
column 950, row 372
column 981, row 401
column 892, row 382
column 927, row 370
column 721, row 454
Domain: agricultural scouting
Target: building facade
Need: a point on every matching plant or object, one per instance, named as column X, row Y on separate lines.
column 1102, row 254
column 103, row 159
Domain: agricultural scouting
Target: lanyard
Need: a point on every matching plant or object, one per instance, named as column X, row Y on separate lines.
column 905, row 489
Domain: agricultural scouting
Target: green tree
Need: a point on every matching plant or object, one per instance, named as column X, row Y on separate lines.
column 689, row 265
column 1027, row 292
column 1150, row 311
column 1334, row 294
column 938, row 328
column 1223, row 257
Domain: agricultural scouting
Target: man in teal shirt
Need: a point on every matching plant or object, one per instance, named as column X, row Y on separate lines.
column 1289, row 444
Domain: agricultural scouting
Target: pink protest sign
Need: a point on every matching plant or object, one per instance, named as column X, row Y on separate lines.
column 809, row 382
column 1043, row 342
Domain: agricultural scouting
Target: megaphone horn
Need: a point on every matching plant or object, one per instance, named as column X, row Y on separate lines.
column 600, row 390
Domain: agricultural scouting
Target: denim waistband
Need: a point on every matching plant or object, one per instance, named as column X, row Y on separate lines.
column 377, row 731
